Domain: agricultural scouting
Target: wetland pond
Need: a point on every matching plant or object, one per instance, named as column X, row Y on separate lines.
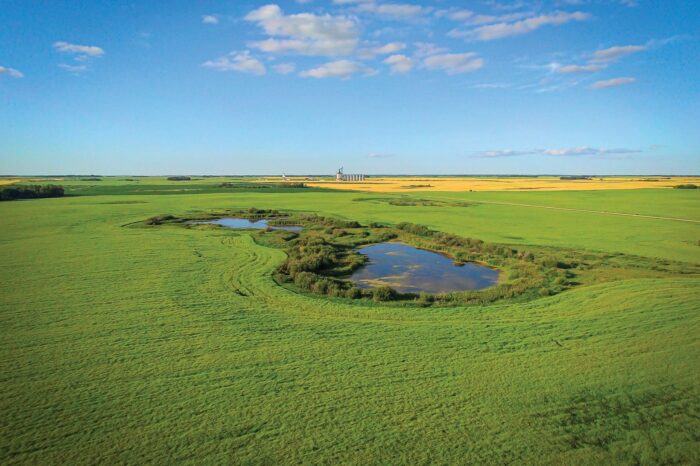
column 244, row 223
column 412, row 270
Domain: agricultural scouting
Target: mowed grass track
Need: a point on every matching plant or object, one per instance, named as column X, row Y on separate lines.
column 124, row 345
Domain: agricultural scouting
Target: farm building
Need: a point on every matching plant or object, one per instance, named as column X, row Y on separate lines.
column 340, row 176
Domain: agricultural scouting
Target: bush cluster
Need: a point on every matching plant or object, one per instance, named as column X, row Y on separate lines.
column 320, row 258
column 11, row 193
column 686, row 186
column 323, row 255
column 179, row 178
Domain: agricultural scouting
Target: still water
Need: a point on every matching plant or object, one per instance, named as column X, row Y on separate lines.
column 244, row 223
column 412, row 270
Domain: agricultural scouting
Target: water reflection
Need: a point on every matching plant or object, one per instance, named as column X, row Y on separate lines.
column 412, row 270
column 244, row 223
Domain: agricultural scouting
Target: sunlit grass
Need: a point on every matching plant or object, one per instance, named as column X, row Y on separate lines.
column 126, row 345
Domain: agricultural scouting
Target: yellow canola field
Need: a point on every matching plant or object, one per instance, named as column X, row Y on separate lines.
column 3, row 182
column 408, row 184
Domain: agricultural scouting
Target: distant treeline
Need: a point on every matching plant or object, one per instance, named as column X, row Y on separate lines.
column 11, row 193
column 179, row 178
column 686, row 186
column 569, row 178
column 245, row 185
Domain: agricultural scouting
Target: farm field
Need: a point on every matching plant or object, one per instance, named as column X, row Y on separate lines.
column 134, row 345
column 496, row 183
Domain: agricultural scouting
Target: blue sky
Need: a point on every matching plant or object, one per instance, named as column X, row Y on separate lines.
column 437, row 87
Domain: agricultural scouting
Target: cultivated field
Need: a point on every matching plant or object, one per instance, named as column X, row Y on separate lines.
column 154, row 344
column 525, row 183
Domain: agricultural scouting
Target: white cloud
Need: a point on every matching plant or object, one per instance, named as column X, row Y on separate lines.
column 600, row 60
column 561, row 152
column 394, row 10
column 338, row 69
column 507, row 29
column 398, row 11
column 304, row 33
column 284, row 68
column 73, row 69
column 572, row 151
column 400, row 64
column 612, row 83
column 370, row 52
column 78, row 50
column 305, row 47
column 238, row 61
column 503, row 153
column 571, row 69
column 454, row 63
column 210, row 19
column 455, row 14
column 424, row 49
column 491, row 86
column 615, row 53
column 11, row 72
column 377, row 155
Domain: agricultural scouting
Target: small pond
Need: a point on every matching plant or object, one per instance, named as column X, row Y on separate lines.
column 244, row 223
column 412, row 270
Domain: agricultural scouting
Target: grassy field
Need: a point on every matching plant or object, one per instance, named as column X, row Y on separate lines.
column 127, row 345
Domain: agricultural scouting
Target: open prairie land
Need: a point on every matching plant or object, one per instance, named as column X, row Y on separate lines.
column 135, row 345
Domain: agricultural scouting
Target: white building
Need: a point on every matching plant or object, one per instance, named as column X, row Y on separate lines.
column 340, row 176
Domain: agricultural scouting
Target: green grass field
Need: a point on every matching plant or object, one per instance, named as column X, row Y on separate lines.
column 125, row 345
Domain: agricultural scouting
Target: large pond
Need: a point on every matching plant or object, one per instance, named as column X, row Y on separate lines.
column 412, row 270
column 244, row 223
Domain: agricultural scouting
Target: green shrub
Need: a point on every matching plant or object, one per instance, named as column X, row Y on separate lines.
column 14, row 192
column 384, row 293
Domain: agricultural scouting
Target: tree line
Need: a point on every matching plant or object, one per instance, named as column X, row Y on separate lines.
column 11, row 193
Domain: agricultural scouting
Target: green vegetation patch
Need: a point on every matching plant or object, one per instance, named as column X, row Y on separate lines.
column 14, row 192
column 406, row 201
column 322, row 256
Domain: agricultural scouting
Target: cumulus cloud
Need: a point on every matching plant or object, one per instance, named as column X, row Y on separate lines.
column 615, row 82
column 400, row 64
column 369, row 52
column 560, row 152
column 11, row 72
column 210, row 19
column 454, row 63
column 79, row 51
column 524, row 26
column 237, row 61
column 337, row 69
column 304, row 33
